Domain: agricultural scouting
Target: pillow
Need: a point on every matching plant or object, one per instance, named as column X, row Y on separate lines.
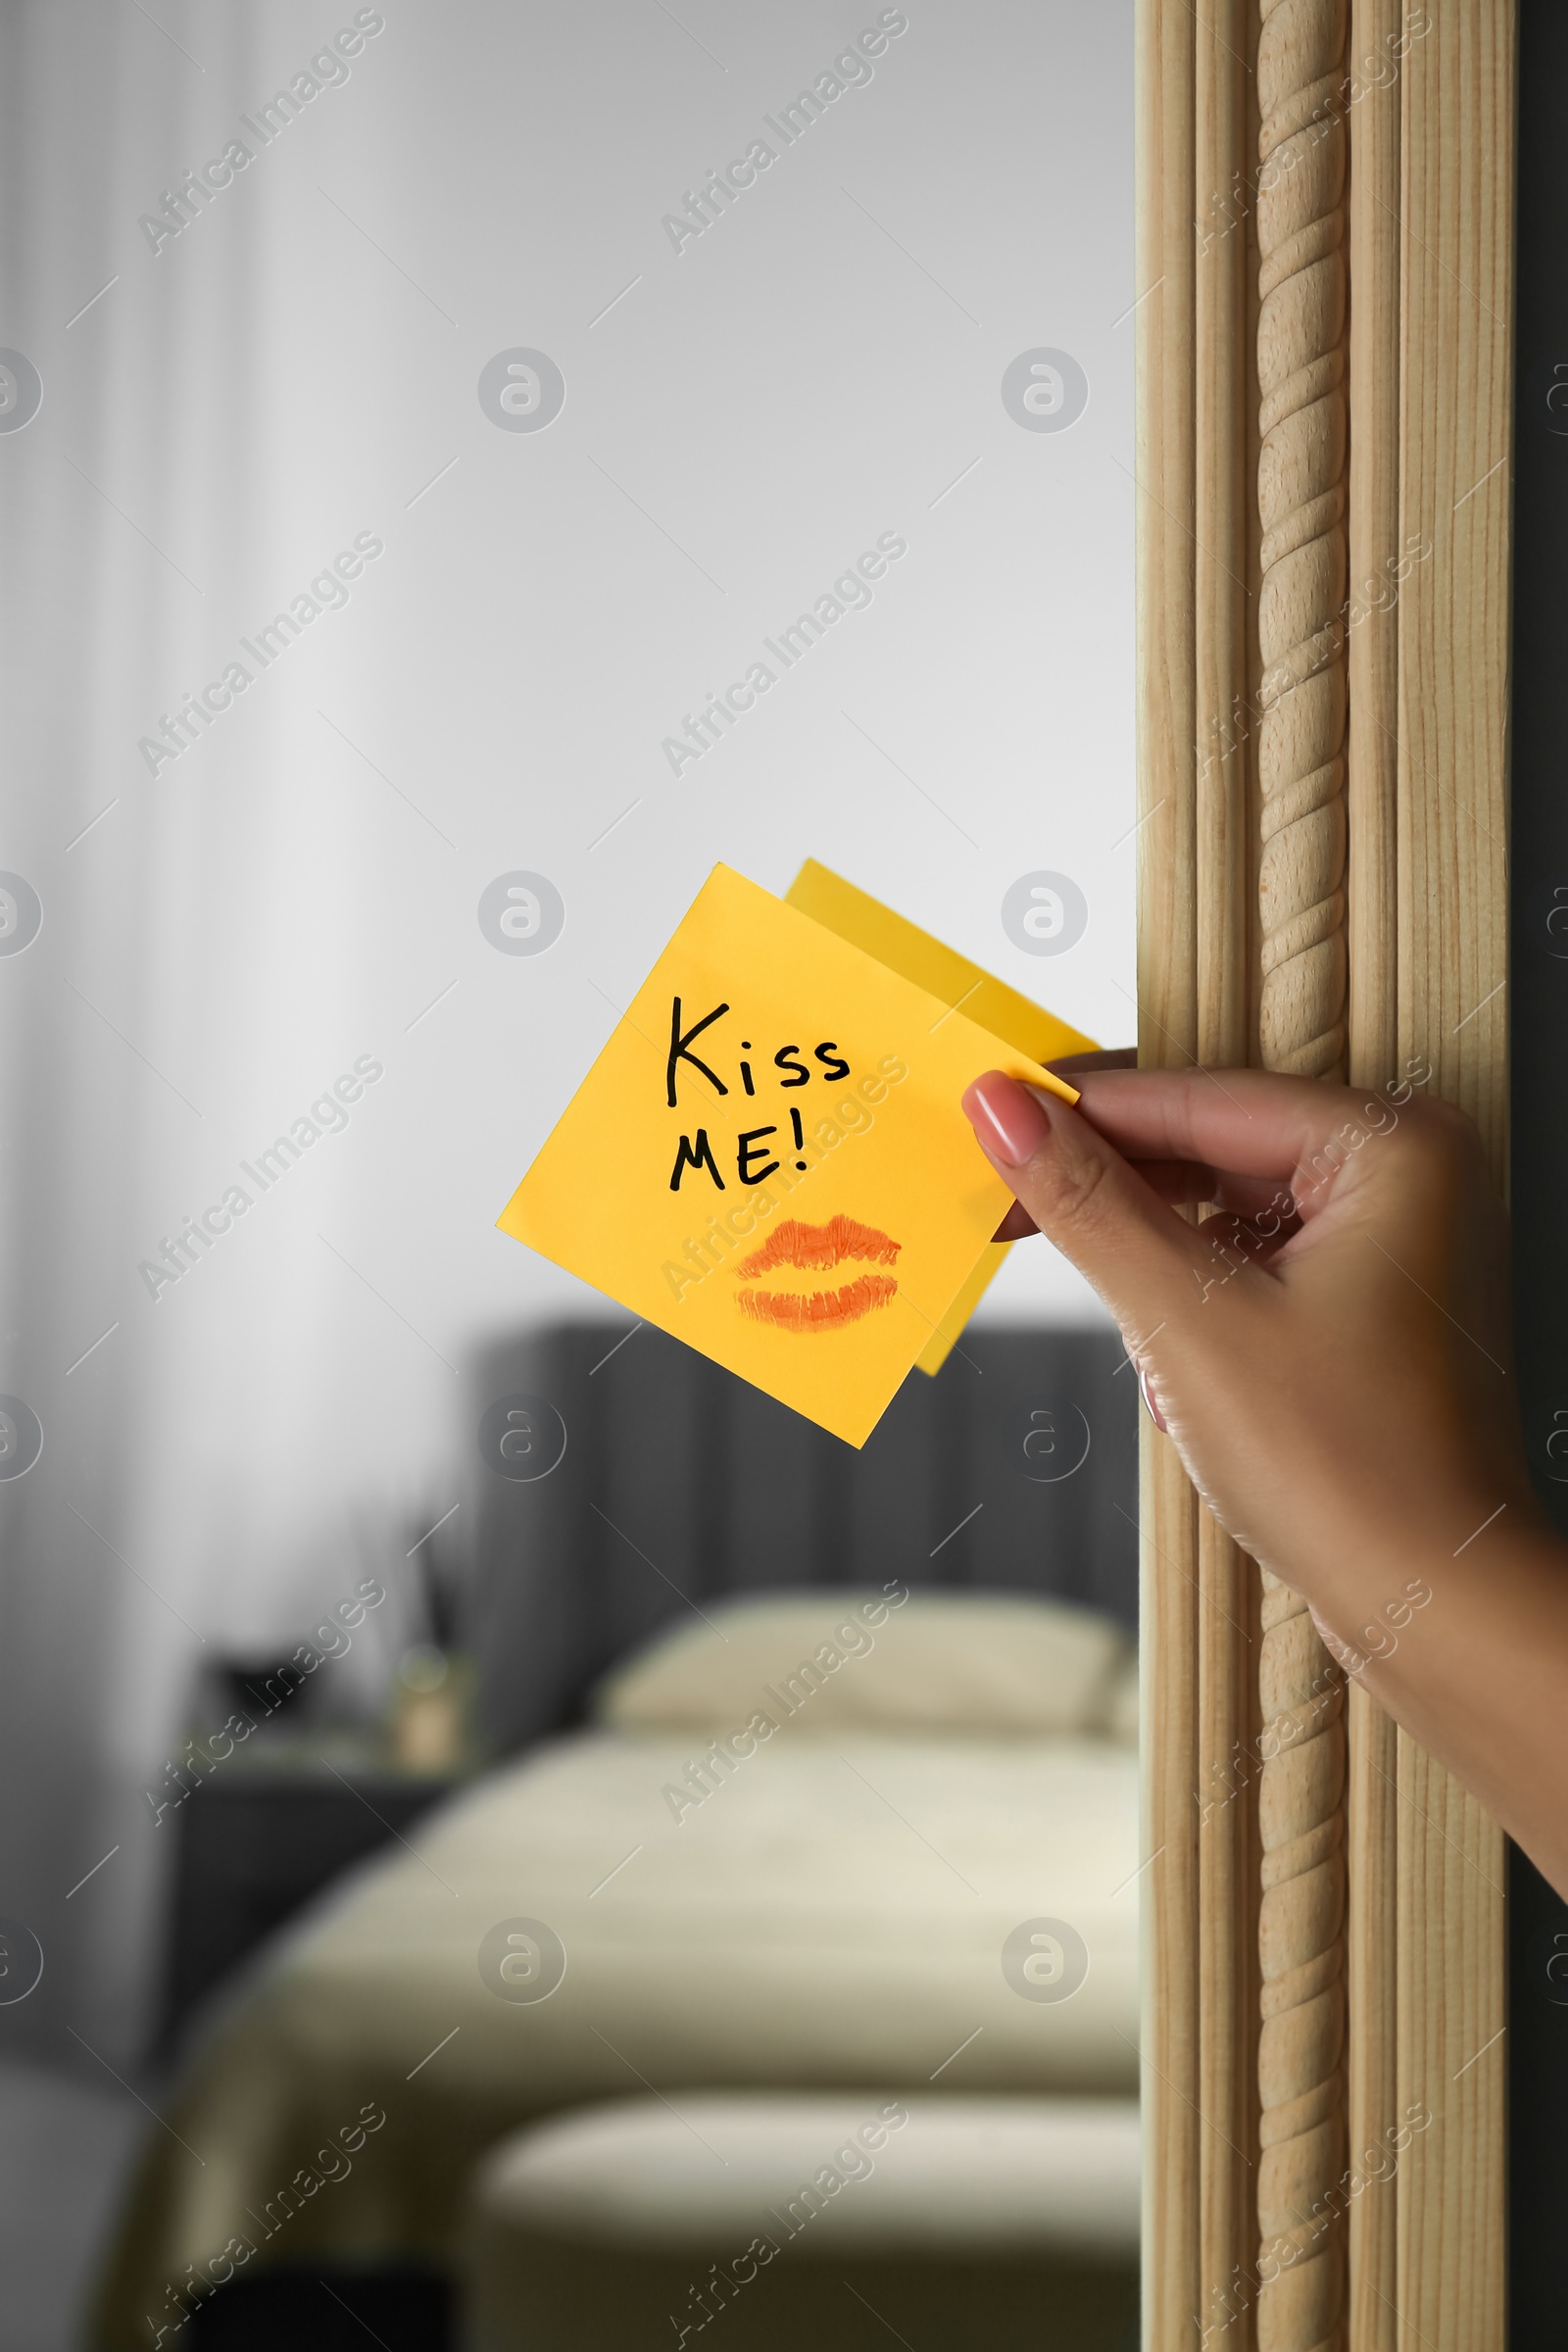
column 993, row 1664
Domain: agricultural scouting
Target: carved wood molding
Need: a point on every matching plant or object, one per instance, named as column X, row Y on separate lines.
column 1300, row 2081
column 1301, row 368
column 1303, row 364
column 1324, row 387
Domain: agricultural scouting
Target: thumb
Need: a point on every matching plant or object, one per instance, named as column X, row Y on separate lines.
column 1086, row 1198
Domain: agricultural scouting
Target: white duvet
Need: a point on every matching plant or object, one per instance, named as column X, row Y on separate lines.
column 832, row 1915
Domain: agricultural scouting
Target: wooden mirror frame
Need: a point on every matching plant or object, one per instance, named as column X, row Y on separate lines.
column 1325, row 231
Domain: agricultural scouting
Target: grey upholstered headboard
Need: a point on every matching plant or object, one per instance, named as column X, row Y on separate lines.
column 1015, row 1468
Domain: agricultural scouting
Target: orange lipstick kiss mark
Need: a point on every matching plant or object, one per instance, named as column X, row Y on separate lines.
column 817, row 1248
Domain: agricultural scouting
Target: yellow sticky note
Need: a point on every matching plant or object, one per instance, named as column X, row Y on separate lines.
column 940, row 1346
column 855, row 915
column 902, row 945
column 769, row 1158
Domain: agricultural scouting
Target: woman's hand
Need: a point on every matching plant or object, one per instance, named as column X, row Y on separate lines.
column 1330, row 1355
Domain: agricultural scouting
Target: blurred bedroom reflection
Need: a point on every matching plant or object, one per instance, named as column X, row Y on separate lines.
column 511, row 1837
column 816, row 1862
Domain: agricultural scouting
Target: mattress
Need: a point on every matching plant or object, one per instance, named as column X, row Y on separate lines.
column 828, row 1914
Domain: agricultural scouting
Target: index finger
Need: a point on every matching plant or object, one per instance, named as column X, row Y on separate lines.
column 1251, row 1122
column 1096, row 1057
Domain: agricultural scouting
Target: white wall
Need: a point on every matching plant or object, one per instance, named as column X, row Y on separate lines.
column 233, row 932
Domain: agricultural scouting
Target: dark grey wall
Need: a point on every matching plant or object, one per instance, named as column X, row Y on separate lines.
column 1537, row 2004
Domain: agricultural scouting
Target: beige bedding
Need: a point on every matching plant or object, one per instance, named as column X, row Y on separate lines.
column 832, row 1913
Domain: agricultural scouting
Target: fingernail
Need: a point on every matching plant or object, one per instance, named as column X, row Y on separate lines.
column 1148, row 1396
column 1007, row 1117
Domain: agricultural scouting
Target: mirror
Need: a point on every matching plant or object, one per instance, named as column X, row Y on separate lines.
column 471, row 470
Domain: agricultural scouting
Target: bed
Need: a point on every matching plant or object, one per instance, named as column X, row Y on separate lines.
column 676, row 1899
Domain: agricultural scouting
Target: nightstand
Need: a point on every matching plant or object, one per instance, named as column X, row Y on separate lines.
column 260, row 1836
